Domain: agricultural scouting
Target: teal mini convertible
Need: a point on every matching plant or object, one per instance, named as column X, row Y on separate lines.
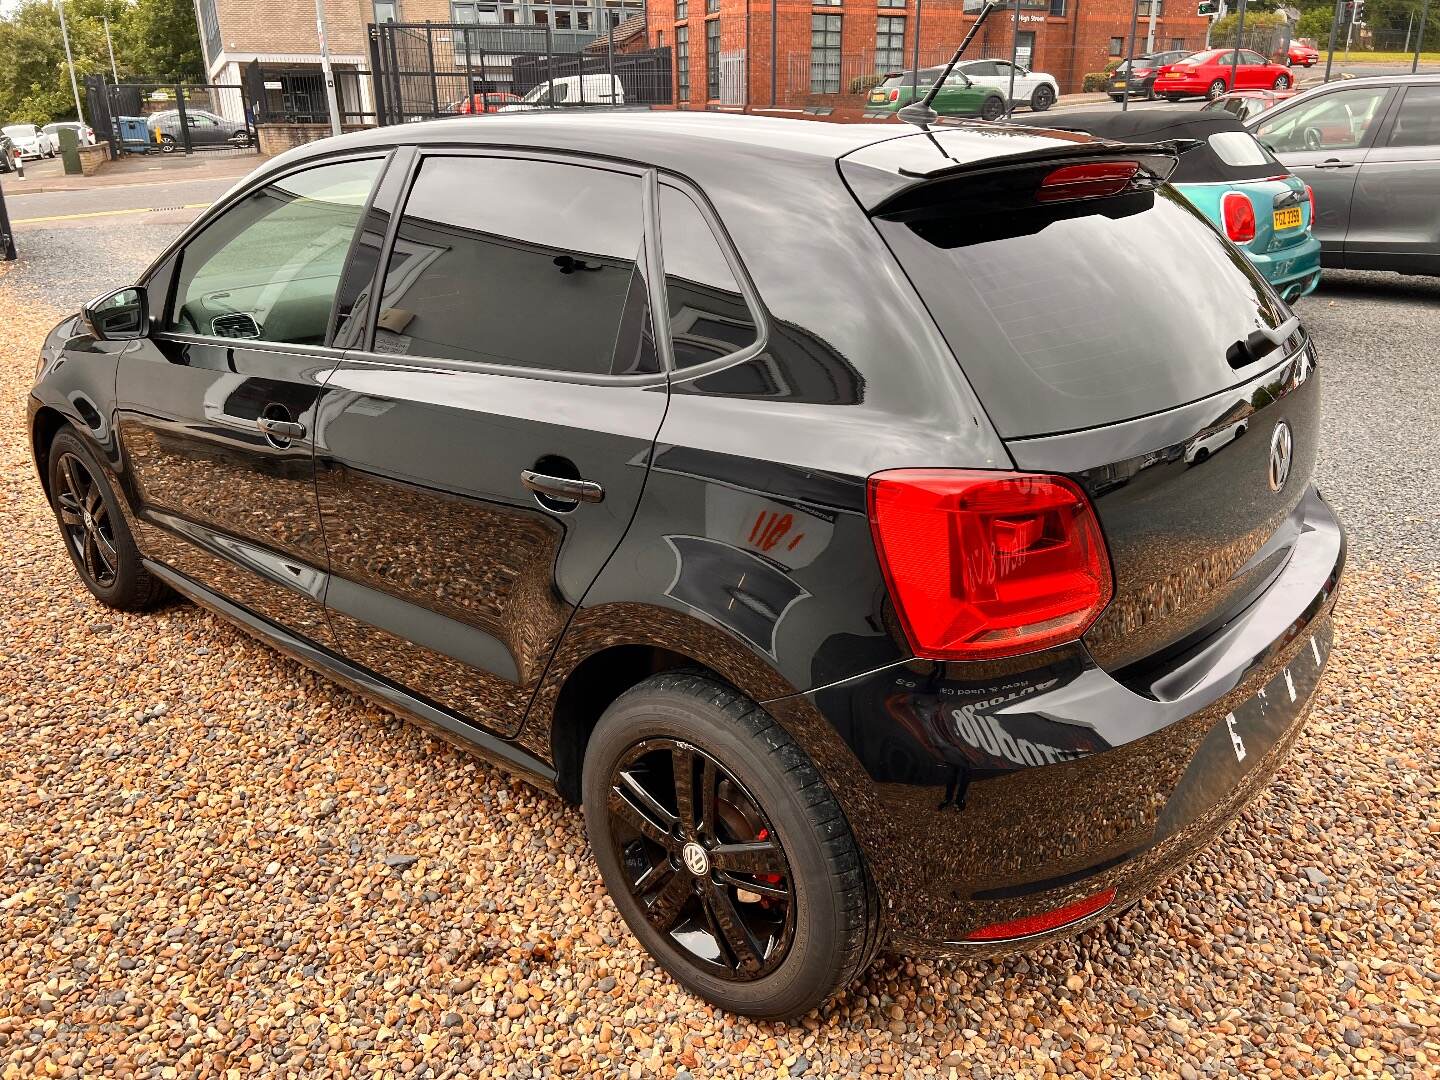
column 1230, row 177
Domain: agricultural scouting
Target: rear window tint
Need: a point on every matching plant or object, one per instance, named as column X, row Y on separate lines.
column 1240, row 149
column 1082, row 314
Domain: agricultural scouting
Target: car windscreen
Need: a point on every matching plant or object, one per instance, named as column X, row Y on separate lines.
column 1076, row 315
column 20, row 131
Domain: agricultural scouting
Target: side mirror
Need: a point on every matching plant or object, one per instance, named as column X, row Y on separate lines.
column 122, row 315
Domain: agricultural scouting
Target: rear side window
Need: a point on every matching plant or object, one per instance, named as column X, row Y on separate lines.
column 1418, row 122
column 1239, row 149
column 708, row 314
column 1065, row 317
column 530, row 264
column 268, row 268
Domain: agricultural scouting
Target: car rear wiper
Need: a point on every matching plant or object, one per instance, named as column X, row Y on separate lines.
column 1261, row 343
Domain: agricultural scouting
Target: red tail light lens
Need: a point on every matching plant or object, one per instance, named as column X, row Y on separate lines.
column 894, row 95
column 1093, row 180
column 987, row 564
column 1239, row 216
column 1310, row 194
column 1048, row 920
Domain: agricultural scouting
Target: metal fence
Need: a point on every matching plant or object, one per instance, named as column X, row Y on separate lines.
column 425, row 70
column 138, row 116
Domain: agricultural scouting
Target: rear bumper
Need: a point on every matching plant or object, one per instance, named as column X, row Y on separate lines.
column 1038, row 788
column 1293, row 269
column 1188, row 87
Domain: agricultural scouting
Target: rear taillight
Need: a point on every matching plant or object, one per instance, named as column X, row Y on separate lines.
column 1092, row 180
column 1310, row 194
column 986, row 564
column 1239, row 217
column 1045, row 921
column 894, row 95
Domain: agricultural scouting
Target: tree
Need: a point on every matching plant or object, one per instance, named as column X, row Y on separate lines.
column 162, row 40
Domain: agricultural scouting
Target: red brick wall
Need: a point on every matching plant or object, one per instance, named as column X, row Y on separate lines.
column 1066, row 47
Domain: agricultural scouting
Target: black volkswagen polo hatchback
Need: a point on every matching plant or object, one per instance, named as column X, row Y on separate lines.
column 847, row 516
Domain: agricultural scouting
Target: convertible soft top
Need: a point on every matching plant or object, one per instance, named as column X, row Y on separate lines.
column 1206, row 163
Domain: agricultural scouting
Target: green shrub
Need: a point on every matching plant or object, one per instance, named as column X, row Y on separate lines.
column 1095, row 82
column 863, row 84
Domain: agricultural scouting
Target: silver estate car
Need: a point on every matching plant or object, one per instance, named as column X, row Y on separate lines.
column 1370, row 151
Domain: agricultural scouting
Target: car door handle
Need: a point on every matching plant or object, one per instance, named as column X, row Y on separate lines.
column 1335, row 163
column 562, row 487
column 280, row 429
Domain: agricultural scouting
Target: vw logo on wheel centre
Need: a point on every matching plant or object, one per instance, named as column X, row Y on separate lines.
column 696, row 859
column 1282, row 451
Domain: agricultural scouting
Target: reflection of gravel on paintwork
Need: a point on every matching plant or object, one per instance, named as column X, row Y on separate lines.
column 204, row 848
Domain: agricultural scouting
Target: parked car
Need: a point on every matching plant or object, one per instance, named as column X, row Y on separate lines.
column 31, row 142
column 1137, row 75
column 1243, row 104
column 1370, row 149
column 1303, row 53
column 9, row 154
column 571, row 91
column 206, row 129
column 1233, row 180
column 84, row 135
column 1037, row 89
column 1208, row 74
column 844, row 631
column 959, row 96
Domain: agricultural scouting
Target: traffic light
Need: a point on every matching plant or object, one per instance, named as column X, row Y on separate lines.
column 1357, row 13
column 1208, row 7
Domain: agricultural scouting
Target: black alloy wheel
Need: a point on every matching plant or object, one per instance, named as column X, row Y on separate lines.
column 1042, row 99
column 701, row 859
column 992, row 109
column 97, row 537
column 724, row 849
column 85, row 519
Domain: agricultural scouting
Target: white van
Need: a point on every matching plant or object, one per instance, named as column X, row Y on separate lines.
column 570, row 91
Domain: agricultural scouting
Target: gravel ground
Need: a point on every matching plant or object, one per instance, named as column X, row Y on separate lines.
column 212, row 860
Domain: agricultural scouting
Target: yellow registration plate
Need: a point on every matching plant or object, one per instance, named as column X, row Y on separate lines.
column 1119, row 84
column 1173, row 75
column 1289, row 218
column 877, row 96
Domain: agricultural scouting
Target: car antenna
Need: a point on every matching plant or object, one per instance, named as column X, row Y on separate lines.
column 919, row 112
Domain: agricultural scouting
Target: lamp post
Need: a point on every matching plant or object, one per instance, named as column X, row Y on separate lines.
column 325, row 67
column 70, row 61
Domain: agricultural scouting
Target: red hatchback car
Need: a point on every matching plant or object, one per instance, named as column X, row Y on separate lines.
column 1208, row 74
column 1302, row 54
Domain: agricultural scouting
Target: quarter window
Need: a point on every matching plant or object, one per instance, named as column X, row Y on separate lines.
column 525, row 264
column 708, row 314
column 268, row 268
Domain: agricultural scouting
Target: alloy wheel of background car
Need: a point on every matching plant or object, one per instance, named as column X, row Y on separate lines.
column 1217, row 89
column 1282, row 82
column 167, row 144
column 96, row 536
column 1042, row 99
column 993, row 109
column 755, row 896
column 701, row 858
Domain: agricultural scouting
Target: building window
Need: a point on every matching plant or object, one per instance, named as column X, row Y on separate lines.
column 1057, row 9
column 682, row 10
column 1145, row 6
column 386, row 11
column 562, row 20
column 510, row 15
column 542, row 18
column 712, row 58
column 1117, row 46
column 485, row 14
column 712, row 6
column 827, row 3
column 892, row 3
column 889, row 43
column 682, row 62
column 824, row 54
column 584, row 19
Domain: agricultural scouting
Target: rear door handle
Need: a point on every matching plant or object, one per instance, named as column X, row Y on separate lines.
column 1335, row 163
column 280, row 429
column 562, row 487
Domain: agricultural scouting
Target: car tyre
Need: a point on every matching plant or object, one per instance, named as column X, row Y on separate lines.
column 992, row 109
column 1117, row 98
column 167, row 144
column 1042, row 99
column 1282, row 82
column 1217, row 89
column 660, row 852
column 94, row 529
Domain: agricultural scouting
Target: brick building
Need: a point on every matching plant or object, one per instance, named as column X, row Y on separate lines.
column 824, row 49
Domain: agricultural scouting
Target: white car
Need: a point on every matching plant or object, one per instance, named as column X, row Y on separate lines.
column 84, row 135
column 569, row 91
column 31, row 142
column 1034, row 88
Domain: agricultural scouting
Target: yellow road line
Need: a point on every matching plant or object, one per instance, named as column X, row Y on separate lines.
column 108, row 213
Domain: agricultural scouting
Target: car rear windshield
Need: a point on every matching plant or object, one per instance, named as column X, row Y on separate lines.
column 1076, row 315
